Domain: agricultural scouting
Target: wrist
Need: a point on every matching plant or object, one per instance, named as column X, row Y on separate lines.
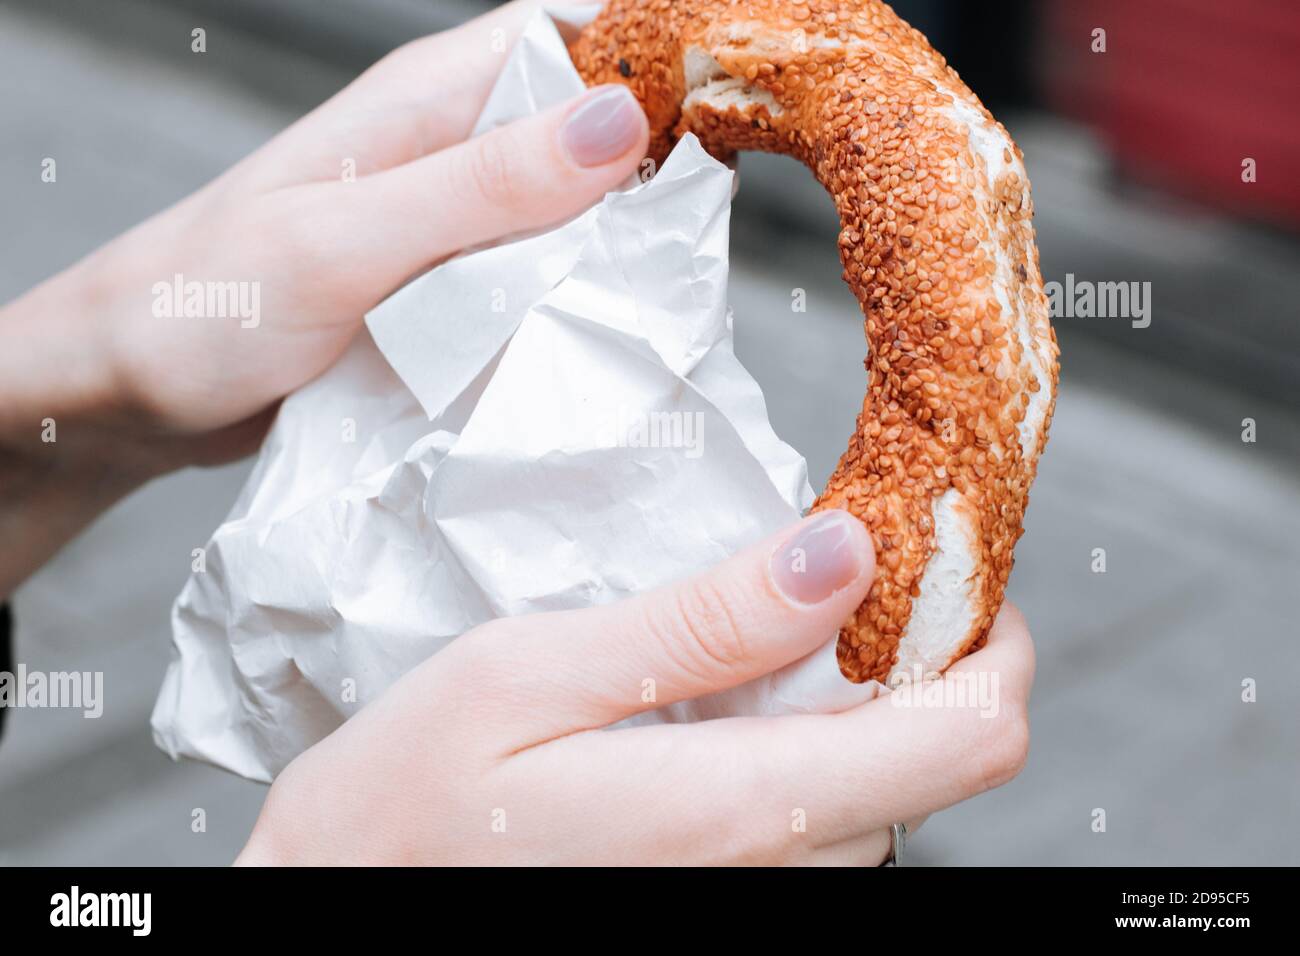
column 68, row 401
column 62, row 460
column 56, row 363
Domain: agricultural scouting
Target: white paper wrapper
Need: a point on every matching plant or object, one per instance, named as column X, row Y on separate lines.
column 552, row 423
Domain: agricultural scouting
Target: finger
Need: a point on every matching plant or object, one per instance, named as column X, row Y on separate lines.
column 442, row 81
column 902, row 756
column 667, row 792
column 772, row 604
column 519, row 177
column 424, row 96
column 764, row 789
column 871, row 849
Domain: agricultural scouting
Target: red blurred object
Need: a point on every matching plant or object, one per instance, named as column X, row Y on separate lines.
column 1186, row 91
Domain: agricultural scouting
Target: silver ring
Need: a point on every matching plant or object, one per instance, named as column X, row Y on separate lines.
column 897, row 844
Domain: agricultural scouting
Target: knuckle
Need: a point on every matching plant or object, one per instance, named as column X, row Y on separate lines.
column 491, row 171
column 476, row 670
column 710, row 625
column 745, row 825
column 773, row 829
column 487, row 651
column 478, row 643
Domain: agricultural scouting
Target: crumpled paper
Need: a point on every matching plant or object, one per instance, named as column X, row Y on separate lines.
column 555, row 422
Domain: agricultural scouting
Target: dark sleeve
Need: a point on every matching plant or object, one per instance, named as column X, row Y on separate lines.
column 6, row 653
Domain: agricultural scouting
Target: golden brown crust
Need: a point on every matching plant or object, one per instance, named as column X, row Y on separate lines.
column 936, row 244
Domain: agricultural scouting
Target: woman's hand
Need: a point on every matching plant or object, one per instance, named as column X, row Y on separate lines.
column 296, row 243
column 494, row 751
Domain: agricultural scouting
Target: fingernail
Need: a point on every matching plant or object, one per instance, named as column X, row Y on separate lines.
column 604, row 127
column 819, row 560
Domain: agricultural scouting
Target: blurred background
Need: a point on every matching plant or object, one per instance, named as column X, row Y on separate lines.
column 1136, row 140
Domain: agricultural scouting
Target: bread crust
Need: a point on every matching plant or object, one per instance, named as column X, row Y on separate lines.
column 938, row 247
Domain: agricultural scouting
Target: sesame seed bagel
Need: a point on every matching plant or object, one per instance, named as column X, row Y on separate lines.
column 937, row 246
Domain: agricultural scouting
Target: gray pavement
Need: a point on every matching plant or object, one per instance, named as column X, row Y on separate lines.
column 1137, row 707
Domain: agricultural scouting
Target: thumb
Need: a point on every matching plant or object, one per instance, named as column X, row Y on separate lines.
column 769, row 605
column 522, row 176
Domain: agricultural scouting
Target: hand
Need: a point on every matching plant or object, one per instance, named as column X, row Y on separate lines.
column 493, row 751
column 134, row 392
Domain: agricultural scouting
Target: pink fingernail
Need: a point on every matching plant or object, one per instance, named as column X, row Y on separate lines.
column 821, row 558
column 603, row 127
